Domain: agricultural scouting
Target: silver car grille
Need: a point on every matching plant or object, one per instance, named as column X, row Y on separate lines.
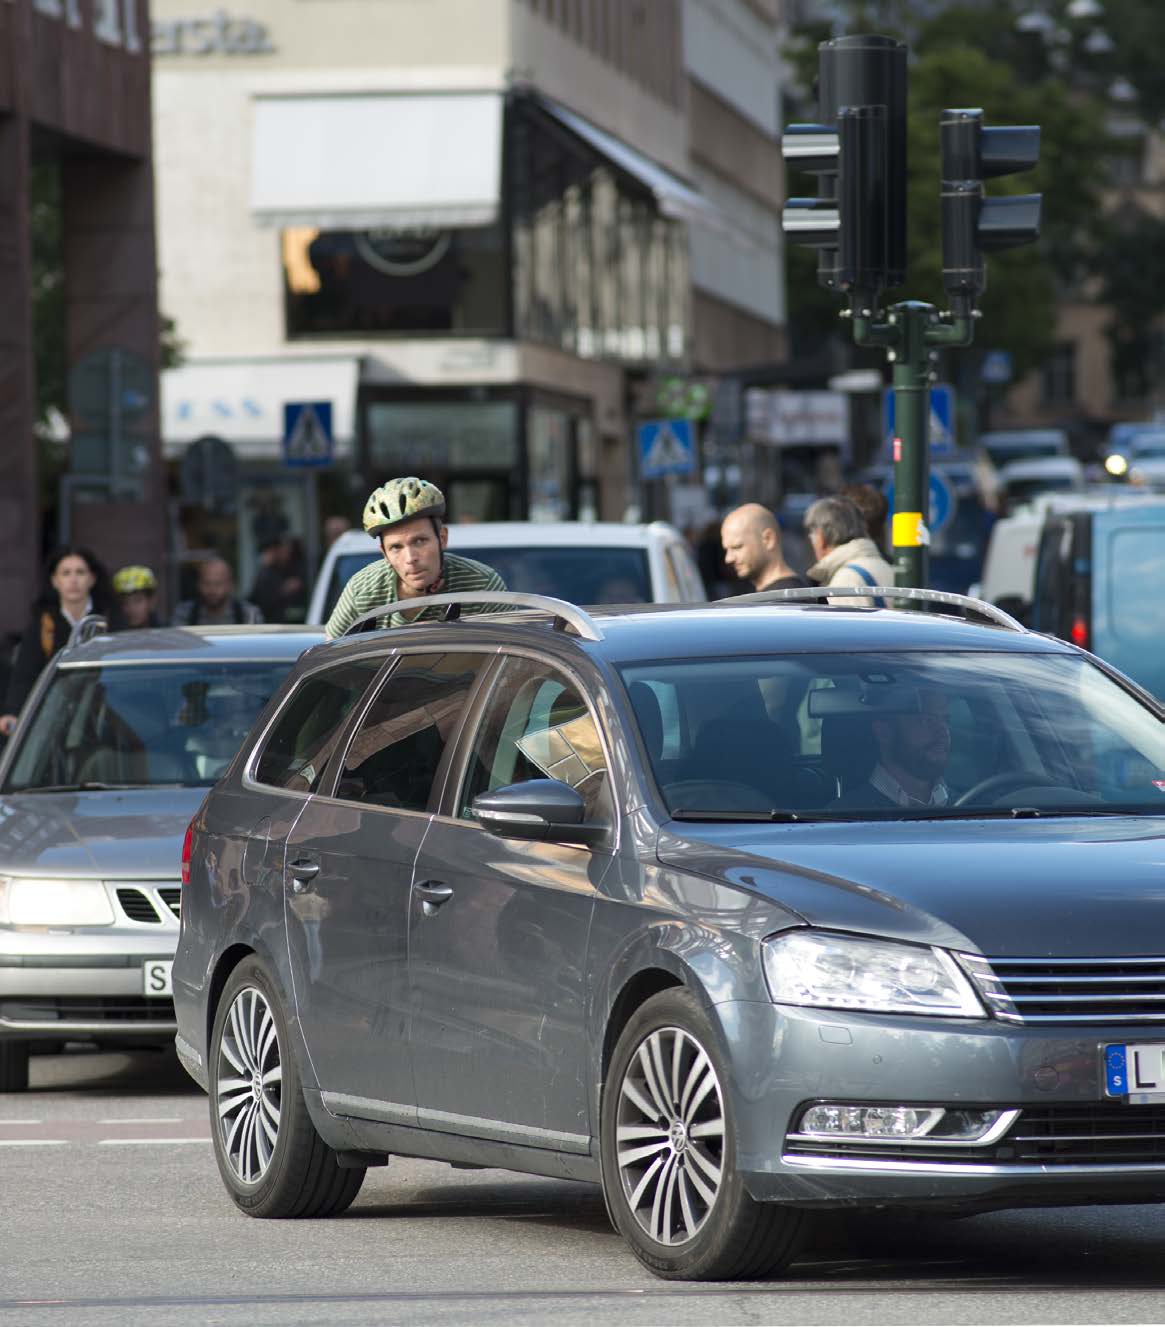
column 1070, row 990
column 149, row 904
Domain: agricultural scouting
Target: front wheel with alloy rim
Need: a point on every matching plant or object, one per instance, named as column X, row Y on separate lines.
column 669, row 1154
column 269, row 1154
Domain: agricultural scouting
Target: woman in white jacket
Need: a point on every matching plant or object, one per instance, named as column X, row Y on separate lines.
column 845, row 554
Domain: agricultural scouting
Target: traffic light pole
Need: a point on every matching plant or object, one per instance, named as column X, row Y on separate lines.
column 911, row 331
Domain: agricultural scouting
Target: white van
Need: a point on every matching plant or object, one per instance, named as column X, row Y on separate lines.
column 1009, row 565
column 581, row 561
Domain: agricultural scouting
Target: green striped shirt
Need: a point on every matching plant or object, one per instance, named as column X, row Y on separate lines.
column 376, row 584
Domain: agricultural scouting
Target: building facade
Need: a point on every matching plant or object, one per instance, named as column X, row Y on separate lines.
column 468, row 238
column 75, row 92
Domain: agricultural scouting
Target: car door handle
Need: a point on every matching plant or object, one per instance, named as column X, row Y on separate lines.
column 302, row 874
column 433, row 893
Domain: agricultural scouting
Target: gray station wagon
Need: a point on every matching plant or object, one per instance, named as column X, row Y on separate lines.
column 115, row 750
column 740, row 911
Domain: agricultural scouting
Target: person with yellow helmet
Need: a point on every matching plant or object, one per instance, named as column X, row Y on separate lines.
column 406, row 517
column 136, row 591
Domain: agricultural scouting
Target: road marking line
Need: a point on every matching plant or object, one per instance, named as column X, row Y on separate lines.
column 146, row 1142
column 161, row 1119
column 34, row 1142
column 5, row 1123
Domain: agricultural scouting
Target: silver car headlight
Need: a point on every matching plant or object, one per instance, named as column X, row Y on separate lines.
column 27, row 901
column 827, row 970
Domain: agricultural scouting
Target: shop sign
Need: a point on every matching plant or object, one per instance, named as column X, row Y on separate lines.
column 115, row 22
column 403, row 252
column 216, row 34
column 798, row 419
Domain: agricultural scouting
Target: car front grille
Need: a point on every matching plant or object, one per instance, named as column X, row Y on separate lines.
column 112, row 1009
column 1088, row 1134
column 1071, row 990
column 150, row 905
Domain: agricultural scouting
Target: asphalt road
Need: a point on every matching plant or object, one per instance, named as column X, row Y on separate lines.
column 112, row 1212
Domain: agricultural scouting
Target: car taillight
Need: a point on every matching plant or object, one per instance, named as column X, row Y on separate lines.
column 1079, row 632
column 186, row 842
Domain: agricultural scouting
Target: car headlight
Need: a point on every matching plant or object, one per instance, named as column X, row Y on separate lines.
column 827, row 970
column 26, row 901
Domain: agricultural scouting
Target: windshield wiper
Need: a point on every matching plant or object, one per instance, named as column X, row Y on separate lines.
column 773, row 817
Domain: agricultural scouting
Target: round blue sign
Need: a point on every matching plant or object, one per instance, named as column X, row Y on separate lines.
column 941, row 504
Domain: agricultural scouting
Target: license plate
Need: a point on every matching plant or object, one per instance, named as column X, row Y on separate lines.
column 1135, row 1071
column 156, row 979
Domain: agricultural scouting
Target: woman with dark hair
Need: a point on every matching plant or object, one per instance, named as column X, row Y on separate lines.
column 75, row 585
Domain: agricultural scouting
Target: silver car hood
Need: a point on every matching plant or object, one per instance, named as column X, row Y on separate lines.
column 1083, row 887
column 135, row 834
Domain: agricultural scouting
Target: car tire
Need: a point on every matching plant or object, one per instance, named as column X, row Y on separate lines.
column 13, row 1066
column 272, row 1160
column 669, row 1166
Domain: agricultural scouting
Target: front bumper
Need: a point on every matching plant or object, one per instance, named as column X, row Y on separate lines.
column 83, row 984
column 1070, row 1143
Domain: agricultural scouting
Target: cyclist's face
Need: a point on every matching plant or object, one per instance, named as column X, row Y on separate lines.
column 413, row 551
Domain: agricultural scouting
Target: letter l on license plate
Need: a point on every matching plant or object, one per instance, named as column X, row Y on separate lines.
column 1135, row 1071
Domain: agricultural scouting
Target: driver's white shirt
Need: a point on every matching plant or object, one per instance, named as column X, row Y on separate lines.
column 889, row 786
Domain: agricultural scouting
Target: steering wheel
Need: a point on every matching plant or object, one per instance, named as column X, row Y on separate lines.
column 996, row 784
column 712, row 794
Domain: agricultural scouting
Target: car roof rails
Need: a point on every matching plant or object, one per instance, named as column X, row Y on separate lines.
column 980, row 606
column 92, row 624
column 564, row 614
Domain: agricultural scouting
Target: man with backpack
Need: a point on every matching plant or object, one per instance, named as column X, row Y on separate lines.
column 845, row 554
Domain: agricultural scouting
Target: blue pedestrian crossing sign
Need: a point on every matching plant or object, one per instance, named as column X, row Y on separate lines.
column 941, row 424
column 307, row 433
column 666, row 447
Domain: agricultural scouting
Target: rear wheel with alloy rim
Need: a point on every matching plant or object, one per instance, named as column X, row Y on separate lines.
column 269, row 1154
column 669, row 1154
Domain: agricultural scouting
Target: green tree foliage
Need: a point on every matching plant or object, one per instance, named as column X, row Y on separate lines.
column 968, row 54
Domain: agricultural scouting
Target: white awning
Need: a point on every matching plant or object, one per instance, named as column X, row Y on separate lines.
column 356, row 162
column 243, row 402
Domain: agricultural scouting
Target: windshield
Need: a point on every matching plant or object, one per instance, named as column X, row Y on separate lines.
column 580, row 575
column 1002, row 452
column 1023, row 490
column 343, row 569
column 896, row 735
column 141, row 725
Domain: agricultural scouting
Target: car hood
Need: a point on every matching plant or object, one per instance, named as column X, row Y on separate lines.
column 1087, row 887
column 132, row 834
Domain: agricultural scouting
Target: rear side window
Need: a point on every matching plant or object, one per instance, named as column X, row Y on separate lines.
column 394, row 757
column 1136, row 564
column 307, row 730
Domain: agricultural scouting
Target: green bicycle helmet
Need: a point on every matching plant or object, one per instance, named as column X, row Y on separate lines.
column 402, row 500
column 131, row 580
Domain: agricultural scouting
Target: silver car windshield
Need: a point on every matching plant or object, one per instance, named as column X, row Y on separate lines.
column 141, row 725
column 897, row 735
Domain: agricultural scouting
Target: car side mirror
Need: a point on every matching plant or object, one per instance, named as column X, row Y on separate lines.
column 543, row 809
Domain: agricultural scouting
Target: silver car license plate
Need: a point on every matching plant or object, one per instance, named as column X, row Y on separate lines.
column 1135, row 1071
column 156, row 980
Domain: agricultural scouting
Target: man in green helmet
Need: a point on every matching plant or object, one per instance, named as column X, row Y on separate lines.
column 406, row 517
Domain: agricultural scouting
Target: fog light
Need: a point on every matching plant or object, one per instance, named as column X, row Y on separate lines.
column 932, row 1123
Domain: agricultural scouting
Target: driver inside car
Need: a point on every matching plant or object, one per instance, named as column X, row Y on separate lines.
column 913, row 749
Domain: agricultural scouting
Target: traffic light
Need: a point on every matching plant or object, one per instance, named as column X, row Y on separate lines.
column 857, row 221
column 973, row 224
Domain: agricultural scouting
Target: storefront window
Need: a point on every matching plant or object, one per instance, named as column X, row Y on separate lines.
column 598, row 271
column 445, row 282
column 469, row 449
column 550, row 462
